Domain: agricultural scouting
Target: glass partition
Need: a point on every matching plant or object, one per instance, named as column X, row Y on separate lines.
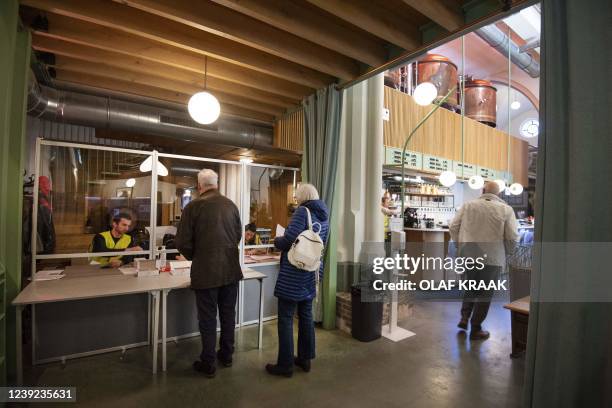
column 83, row 192
column 270, row 206
column 91, row 199
column 179, row 187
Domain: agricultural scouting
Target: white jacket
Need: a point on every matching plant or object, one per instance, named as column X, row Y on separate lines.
column 489, row 222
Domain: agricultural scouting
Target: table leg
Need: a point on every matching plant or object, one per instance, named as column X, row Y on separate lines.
column 155, row 327
column 261, row 304
column 18, row 346
column 164, row 314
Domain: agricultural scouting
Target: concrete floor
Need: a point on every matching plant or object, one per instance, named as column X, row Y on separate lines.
column 438, row 367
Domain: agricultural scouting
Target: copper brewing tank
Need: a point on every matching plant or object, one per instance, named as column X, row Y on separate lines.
column 440, row 71
column 480, row 101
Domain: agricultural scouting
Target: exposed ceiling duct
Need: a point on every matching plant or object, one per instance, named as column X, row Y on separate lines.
column 109, row 112
column 500, row 41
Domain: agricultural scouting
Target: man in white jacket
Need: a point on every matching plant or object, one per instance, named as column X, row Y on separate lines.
column 486, row 225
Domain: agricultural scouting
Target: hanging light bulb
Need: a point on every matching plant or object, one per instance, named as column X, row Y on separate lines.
column 425, row 93
column 131, row 182
column 501, row 183
column 516, row 189
column 476, row 182
column 447, row 178
column 515, row 105
column 203, row 107
column 147, row 165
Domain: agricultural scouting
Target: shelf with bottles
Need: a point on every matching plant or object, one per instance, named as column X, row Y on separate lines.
column 430, row 201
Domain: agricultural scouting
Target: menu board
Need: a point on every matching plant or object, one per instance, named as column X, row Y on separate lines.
column 468, row 169
column 393, row 156
column 488, row 174
column 437, row 164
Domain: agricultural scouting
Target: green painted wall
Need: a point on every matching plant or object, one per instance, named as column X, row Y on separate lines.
column 15, row 51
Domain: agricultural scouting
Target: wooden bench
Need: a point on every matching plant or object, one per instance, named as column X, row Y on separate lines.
column 519, row 311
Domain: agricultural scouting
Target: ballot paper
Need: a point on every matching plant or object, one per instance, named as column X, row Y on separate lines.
column 280, row 230
column 180, row 268
column 51, row 274
column 128, row 270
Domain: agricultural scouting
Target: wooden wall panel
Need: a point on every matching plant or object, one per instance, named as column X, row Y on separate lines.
column 441, row 136
column 289, row 132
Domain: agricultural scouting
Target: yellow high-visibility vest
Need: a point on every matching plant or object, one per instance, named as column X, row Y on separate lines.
column 123, row 243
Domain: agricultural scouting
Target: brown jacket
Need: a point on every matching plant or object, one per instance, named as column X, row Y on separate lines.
column 209, row 234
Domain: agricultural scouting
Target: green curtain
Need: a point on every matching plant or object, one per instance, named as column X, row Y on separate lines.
column 15, row 47
column 569, row 352
column 322, row 113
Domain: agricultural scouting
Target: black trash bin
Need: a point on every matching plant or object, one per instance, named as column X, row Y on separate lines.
column 366, row 312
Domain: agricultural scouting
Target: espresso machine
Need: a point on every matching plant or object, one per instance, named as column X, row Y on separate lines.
column 410, row 218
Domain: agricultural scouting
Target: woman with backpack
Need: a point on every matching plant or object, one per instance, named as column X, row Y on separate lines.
column 297, row 287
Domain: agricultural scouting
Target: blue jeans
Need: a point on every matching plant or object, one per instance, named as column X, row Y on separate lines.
column 306, row 335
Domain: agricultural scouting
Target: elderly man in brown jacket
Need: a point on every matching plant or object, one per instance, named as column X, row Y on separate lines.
column 209, row 234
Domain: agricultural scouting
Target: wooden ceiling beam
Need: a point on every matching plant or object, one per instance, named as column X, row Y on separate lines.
column 370, row 17
column 82, row 52
column 120, row 85
column 100, row 37
column 127, row 19
column 224, row 22
column 71, row 64
column 440, row 12
column 303, row 20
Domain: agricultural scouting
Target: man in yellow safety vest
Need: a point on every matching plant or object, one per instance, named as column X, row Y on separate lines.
column 114, row 240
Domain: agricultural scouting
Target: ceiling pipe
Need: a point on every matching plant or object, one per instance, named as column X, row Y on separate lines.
column 499, row 40
column 110, row 112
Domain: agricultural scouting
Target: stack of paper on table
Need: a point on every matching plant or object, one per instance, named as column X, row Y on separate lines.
column 128, row 270
column 146, row 267
column 180, row 268
column 51, row 274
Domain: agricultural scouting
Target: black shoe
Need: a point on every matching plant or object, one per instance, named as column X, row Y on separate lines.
column 206, row 369
column 276, row 370
column 463, row 324
column 303, row 364
column 479, row 335
column 225, row 362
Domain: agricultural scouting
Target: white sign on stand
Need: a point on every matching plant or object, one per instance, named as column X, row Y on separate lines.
column 392, row 331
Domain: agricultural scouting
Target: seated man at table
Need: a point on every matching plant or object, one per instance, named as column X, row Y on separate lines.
column 114, row 240
column 251, row 237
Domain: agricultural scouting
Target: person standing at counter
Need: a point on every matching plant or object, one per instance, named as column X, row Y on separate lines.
column 208, row 235
column 486, row 225
column 388, row 212
column 296, row 288
column 114, row 240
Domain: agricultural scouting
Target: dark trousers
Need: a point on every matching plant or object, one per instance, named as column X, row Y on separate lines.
column 208, row 301
column 306, row 335
column 476, row 303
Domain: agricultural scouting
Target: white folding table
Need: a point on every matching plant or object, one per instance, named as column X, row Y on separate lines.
column 169, row 282
column 85, row 286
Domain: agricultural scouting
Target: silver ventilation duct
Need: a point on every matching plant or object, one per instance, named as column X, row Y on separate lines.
column 499, row 40
column 120, row 114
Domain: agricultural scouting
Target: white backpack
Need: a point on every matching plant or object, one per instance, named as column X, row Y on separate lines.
column 307, row 250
